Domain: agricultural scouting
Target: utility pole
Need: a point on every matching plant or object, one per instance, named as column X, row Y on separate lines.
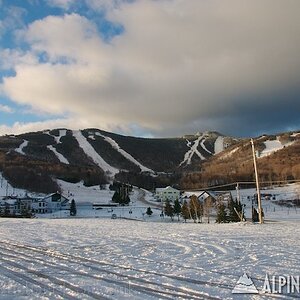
column 257, row 184
column 238, row 197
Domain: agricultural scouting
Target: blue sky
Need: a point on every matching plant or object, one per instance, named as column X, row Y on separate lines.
column 150, row 67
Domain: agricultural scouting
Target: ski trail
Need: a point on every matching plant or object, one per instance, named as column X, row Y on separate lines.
column 91, row 152
column 21, row 147
column 62, row 132
column 219, row 144
column 193, row 150
column 204, row 147
column 58, row 155
column 116, row 146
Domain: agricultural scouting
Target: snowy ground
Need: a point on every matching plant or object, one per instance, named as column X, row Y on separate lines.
column 122, row 259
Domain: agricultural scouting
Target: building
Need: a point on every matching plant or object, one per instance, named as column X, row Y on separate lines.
column 15, row 207
column 50, row 203
column 167, row 193
column 201, row 195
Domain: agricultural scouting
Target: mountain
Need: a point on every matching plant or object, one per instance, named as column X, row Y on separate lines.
column 35, row 160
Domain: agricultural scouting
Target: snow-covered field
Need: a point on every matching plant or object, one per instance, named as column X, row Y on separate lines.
column 122, row 259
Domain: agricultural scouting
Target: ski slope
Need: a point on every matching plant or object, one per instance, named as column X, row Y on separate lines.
column 193, row 151
column 91, row 152
column 129, row 157
column 219, row 144
column 61, row 133
column 124, row 259
column 272, row 146
column 20, row 149
column 58, row 155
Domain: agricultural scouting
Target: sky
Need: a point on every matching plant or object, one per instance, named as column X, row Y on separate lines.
column 151, row 68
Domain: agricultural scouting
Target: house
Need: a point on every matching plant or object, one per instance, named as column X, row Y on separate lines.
column 162, row 194
column 14, row 206
column 50, row 203
column 40, row 206
column 56, row 201
column 201, row 195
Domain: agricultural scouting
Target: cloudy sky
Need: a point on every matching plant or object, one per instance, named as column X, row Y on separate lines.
column 150, row 67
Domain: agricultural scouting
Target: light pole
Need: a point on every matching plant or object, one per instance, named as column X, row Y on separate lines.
column 257, row 184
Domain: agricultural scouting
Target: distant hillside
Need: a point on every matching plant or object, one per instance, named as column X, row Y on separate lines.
column 35, row 160
column 278, row 160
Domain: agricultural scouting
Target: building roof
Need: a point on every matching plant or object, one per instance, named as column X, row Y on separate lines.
column 158, row 190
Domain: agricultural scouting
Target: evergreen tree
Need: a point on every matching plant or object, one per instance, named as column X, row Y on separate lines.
column 73, row 210
column 177, row 208
column 169, row 211
column 116, row 197
column 149, row 211
column 234, row 209
column 221, row 214
column 185, row 211
column 127, row 200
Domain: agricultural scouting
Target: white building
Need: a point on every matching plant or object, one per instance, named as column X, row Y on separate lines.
column 50, row 203
column 201, row 195
column 14, row 206
column 162, row 194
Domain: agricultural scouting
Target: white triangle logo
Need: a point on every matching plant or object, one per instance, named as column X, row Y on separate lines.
column 245, row 285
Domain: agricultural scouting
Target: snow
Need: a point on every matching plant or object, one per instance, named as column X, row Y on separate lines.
column 92, row 256
column 7, row 190
column 273, row 146
column 81, row 193
column 124, row 259
column 204, row 147
column 219, row 144
column 58, row 155
column 21, row 147
column 61, row 133
column 230, row 153
column 116, row 146
column 90, row 151
column 193, row 150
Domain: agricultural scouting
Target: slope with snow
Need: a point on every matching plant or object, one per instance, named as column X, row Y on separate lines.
column 219, row 144
column 193, row 150
column 58, row 155
column 61, row 133
column 272, row 146
column 129, row 157
column 21, row 147
column 91, row 152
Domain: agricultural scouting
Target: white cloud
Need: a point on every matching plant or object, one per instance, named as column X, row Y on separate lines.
column 179, row 65
column 6, row 109
column 64, row 4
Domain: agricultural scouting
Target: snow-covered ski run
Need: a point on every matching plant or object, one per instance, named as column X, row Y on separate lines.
column 20, row 149
column 91, row 152
column 193, row 150
column 128, row 156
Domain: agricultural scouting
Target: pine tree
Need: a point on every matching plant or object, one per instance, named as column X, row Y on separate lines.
column 149, row 211
column 221, row 214
column 169, row 211
column 177, row 208
column 73, row 210
column 185, row 211
column 116, row 197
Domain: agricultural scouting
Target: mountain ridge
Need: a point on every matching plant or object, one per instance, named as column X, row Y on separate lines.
column 97, row 156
